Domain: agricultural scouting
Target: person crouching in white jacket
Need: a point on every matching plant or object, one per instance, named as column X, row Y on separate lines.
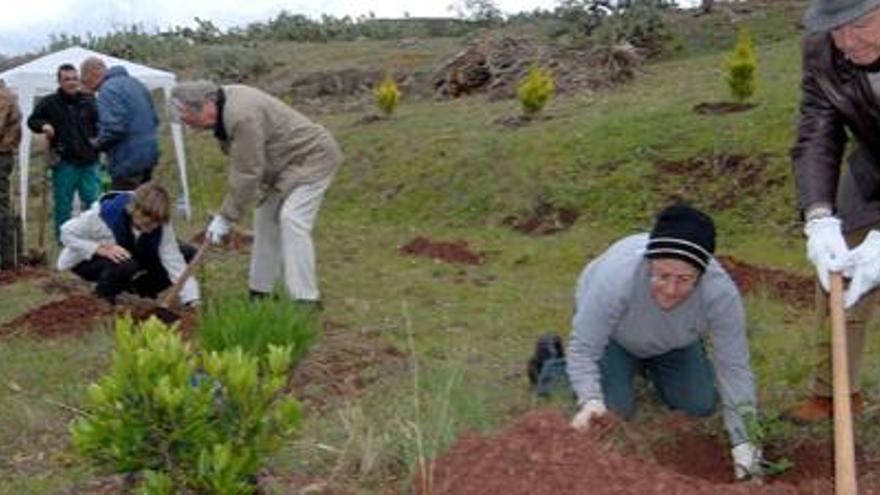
column 125, row 243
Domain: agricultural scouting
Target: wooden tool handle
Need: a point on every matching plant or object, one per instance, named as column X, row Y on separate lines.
column 844, row 448
column 168, row 300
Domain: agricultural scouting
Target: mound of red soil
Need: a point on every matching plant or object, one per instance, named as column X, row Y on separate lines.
column 235, row 240
column 341, row 364
column 73, row 315
column 540, row 454
column 791, row 288
column 457, row 251
column 719, row 180
column 722, row 107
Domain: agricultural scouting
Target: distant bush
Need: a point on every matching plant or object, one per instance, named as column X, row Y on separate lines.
column 255, row 325
column 387, row 95
column 188, row 422
column 536, row 90
column 741, row 68
column 229, row 63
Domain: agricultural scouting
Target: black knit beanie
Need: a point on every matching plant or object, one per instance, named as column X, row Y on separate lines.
column 683, row 233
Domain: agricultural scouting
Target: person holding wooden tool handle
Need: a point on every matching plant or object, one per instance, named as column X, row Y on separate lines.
column 125, row 243
column 841, row 208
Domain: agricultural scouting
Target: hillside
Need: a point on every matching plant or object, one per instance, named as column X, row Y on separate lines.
column 416, row 351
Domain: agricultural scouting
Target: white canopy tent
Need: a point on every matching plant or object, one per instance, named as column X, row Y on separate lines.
column 38, row 78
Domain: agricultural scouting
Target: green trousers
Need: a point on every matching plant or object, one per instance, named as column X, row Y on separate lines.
column 69, row 179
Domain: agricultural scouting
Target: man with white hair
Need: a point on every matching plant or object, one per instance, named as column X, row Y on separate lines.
column 839, row 97
column 279, row 157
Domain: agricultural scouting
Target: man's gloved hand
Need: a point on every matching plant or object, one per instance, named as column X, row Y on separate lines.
column 826, row 247
column 218, row 229
column 865, row 268
column 746, row 462
column 592, row 409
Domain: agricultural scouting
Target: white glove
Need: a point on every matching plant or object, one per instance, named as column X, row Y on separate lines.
column 592, row 409
column 218, row 229
column 826, row 247
column 746, row 462
column 865, row 268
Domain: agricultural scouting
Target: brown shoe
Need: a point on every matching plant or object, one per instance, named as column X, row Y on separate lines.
column 817, row 409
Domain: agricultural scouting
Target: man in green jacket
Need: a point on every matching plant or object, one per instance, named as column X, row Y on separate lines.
column 280, row 158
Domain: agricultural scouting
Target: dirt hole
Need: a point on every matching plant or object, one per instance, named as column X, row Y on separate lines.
column 456, row 251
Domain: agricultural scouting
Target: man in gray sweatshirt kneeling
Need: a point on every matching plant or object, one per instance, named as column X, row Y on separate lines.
column 644, row 307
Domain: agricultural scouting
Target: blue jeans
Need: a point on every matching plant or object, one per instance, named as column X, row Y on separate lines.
column 684, row 378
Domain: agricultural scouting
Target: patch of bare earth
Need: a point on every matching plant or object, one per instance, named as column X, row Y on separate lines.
column 791, row 288
column 22, row 274
column 79, row 313
column 73, row 315
column 544, row 220
column 719, row 180
column 722, row 107
column 540, row 454
column 456, row 251
column 342, row 363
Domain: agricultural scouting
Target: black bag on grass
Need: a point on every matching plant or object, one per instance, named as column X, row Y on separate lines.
column 546, row 367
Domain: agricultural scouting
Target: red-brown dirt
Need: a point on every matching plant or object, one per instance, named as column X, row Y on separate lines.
column 457, row 251
column 80, row 313
column 719, row 180
column 21, row 274
column 722, row 107
column 540, row 454
column 791, row 288
column 544, row 221
column 73, row 315
column 341, row 364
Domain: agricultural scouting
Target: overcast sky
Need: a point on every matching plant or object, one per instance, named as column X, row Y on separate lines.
column 26, row 24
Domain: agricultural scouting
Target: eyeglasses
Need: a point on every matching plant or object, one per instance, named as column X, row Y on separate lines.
column 678, row 279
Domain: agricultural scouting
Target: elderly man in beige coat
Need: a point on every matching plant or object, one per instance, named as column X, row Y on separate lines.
column 280, row 158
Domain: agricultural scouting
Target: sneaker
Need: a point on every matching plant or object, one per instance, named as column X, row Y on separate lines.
column 817, row 409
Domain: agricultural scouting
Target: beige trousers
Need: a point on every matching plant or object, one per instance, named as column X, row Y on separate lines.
column 283, row 241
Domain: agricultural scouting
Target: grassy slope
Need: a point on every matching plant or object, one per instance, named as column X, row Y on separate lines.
column 444, row 170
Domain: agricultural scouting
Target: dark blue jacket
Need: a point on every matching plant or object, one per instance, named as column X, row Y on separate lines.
column 113, row 212
column 127, row 124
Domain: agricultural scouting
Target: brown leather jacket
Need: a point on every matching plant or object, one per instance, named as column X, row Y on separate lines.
column 10, row 122
column 837, row 96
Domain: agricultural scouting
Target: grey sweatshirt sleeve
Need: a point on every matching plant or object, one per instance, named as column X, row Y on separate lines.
column 730, row 349
column 600, row 300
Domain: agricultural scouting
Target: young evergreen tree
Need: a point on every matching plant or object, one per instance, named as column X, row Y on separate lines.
column 741, row 68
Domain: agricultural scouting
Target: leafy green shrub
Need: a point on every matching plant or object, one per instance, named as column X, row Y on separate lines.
column 255, row 325
column 387, row 95
column 535, row 90
column 741, row 68
column 189, row 422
